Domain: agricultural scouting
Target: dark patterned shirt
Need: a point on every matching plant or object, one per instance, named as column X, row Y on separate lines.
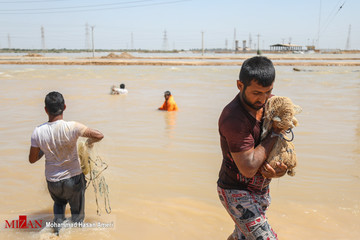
column 239, row 131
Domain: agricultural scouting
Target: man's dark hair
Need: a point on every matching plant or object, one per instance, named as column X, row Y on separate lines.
column 122, row 86
column 167, row 93
column 257, row 68
column 54, row 103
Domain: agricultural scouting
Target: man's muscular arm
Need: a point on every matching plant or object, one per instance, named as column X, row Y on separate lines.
column 93, row 136
column 35, row 154
column 248, row 162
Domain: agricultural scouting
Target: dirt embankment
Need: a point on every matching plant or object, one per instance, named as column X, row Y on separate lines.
column 175, row 63
column 128, row 59
column 123, row 55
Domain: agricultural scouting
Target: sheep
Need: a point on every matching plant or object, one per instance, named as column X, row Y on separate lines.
column 280, row 112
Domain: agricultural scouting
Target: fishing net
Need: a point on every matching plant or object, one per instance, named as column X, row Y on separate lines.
column 93, row 167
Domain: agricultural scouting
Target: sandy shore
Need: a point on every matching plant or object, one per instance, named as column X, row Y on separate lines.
column 181, row 61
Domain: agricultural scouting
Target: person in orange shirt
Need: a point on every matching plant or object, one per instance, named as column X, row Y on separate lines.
column 169, row 104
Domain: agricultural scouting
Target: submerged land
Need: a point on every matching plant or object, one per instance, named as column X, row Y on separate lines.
column 192, row 60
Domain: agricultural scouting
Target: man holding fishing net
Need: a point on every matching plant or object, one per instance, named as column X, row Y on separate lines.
column 56, row 139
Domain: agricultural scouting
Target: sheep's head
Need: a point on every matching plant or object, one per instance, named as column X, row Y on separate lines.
column 280, row 112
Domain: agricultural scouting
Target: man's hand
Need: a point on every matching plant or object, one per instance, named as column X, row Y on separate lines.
column 89, row 143
column 268, row 172
column 93, row 136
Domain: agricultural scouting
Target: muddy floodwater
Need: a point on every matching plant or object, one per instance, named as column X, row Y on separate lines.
column 163, row 166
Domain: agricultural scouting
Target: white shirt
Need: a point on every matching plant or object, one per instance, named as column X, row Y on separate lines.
column 58, row 142
column 121, row 90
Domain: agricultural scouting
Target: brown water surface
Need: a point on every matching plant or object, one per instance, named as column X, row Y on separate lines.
column 163, row 166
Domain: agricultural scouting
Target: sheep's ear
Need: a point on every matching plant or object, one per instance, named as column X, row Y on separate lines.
column 263, row 134
column 297, row 109
column 294, row 121
column 276, row 119
column 266, row 128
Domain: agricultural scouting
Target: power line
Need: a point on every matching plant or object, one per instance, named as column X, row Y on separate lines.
column 86, row 6
column 49, row 1
column 331, row 16
column 96, row 7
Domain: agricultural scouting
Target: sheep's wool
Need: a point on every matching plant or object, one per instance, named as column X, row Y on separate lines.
column 280, row 112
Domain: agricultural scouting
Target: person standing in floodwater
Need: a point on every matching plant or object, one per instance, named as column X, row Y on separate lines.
column 244, row 177
column 56, row 139
column 117, row 91
column 169, row 103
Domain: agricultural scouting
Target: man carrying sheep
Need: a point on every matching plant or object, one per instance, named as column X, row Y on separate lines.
column 244, row 177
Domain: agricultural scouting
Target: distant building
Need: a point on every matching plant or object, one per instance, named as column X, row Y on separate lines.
column 310, row 48
column 285, row 47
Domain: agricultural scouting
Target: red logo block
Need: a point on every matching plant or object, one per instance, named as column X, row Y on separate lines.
column 23, row 223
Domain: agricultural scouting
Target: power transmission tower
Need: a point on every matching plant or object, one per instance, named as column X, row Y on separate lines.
column 250, row 41
column 234, row 42
column 9, row 41
column 132, row 40
column 92, row 37
column 258, row 44
column 226, row 44
column 87, row 36
column 202, row 43
column 348, row 39
column 318, row 33
column 42, row 38
column 165, row 41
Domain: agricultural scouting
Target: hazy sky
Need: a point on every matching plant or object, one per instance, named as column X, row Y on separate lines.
column 141, row 23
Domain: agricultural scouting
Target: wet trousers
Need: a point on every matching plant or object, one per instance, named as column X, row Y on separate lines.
column 72, row 191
